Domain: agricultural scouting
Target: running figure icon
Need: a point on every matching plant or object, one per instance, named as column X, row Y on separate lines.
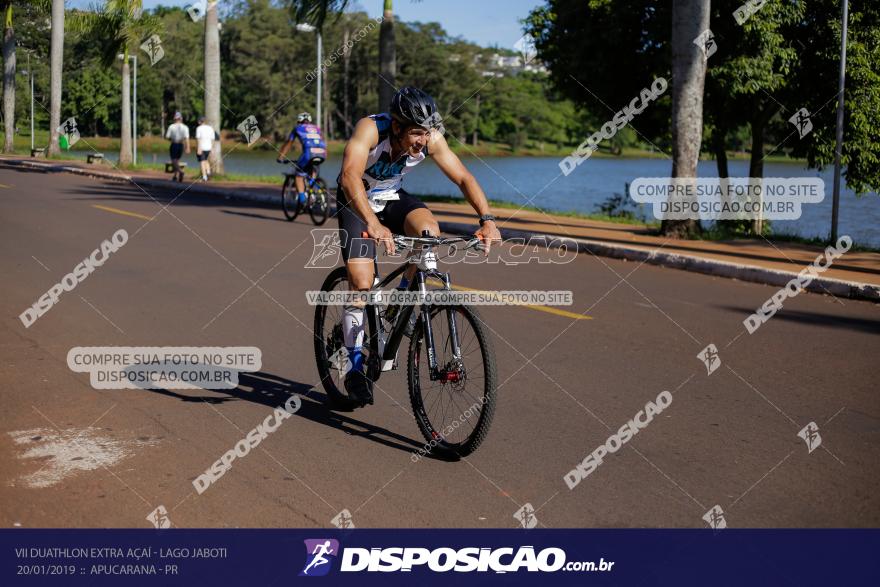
column 318, row 558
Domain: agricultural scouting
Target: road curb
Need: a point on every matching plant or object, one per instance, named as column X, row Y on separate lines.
column 824, row 285
column 837, row 287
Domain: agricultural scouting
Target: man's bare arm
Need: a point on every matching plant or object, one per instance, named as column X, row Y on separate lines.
column 454, row 169
column 282, row 153
column 354, row 163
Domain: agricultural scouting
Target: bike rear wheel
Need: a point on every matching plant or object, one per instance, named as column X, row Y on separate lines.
column 453, row 412
column 289, row 200
column 320, row 202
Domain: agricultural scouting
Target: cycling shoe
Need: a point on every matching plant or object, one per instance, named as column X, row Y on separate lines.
column 359, row 387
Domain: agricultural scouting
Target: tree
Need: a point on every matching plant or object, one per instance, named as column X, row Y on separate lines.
column 315, row 12
column 118, row 29
column 785, row 56
column 8, row 77
column 587, row 45
column 387, row 58
column 259, row 51
column 56, row 59
column 212, row 81
column 819, row 53
column 9, row 63
column 690, row 18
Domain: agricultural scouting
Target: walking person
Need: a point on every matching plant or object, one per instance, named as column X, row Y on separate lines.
column 204, row 144
column 178, row 134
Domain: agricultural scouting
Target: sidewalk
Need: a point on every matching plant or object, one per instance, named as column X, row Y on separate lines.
column 855, row 275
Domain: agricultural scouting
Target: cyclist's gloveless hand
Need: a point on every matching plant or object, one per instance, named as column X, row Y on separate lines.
column 489, row 234
column 382, row 235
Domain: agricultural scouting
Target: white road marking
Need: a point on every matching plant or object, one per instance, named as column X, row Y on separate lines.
column 66, row 453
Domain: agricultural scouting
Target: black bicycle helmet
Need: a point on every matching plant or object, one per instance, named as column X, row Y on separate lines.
column 412, row 106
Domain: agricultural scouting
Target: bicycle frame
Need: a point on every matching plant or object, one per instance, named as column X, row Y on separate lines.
column 311, row 178
column 387, row 350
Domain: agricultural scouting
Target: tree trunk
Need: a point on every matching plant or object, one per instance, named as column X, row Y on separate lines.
column 125, row 157
column 56, row 61
column 9, row 80
column 689, row 19
column 756, row 163
column 212, row 82
column 325, row 112
column 346, row 55
column 387, row 59
column 719, row 140
column 475, row 138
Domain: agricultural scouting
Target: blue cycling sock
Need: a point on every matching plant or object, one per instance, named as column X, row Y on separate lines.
column 404, row 283
column 356, row 356
column 302, row 196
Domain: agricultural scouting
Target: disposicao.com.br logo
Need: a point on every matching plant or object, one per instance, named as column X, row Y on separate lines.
column 319, row 556
column 441, row 560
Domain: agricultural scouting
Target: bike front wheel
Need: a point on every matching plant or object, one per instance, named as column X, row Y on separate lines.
column 454, row 405
column 289, row 200
column 320, row 202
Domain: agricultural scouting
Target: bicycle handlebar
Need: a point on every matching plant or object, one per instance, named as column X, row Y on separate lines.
column 409, row 242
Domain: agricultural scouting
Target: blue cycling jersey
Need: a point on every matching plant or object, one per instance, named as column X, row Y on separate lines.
column 311, row 139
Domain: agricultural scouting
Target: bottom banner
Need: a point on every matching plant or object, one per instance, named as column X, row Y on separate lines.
column 436, row 557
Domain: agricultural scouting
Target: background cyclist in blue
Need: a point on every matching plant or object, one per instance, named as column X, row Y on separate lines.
column 314, row 150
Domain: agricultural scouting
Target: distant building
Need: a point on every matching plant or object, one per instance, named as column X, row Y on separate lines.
column 497, row 65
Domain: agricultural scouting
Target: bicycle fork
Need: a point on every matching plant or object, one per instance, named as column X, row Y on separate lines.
column 435, row 373
column 388, row 346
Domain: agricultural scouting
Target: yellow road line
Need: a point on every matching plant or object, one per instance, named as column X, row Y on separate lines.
column 3, row 185
column 548, row 309
column 123, row 212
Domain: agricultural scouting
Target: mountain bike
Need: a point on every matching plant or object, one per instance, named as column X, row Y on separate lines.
column 450, row 366
column 317, row 195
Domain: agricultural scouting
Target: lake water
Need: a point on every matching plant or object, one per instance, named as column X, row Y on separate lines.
column 520, row 179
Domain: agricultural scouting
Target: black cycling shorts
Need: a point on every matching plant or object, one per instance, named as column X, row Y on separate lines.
column 351, row 226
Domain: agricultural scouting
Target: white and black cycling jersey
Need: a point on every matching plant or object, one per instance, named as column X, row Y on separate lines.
column 382, row 176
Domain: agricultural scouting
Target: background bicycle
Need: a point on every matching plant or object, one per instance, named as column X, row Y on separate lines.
column 317, row 196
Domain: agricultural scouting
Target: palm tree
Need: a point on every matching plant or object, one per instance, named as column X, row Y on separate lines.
column 315, row 12
column 8, row 77
column 118, row 28
column 212, row 81
column 690, row 18
column 56, row 59
column 387, row 58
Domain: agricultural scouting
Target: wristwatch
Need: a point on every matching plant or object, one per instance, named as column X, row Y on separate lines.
column 485, row 218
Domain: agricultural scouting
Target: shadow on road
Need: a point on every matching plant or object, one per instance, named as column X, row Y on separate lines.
column 272, row 391
column 182, row 197
column 252, row 215
column 816, row 319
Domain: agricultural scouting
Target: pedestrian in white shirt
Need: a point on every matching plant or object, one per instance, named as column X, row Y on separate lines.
column 204, row 145
column 178, row 134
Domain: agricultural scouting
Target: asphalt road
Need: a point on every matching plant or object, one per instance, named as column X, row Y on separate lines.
column 213, row 273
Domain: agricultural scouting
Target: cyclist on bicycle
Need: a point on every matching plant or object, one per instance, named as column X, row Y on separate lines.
column 383, row 148
column 314, row 151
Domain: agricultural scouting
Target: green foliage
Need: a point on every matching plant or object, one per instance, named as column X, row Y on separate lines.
column 602, row 53
column 32, row 37
column 783, row 58
column 617, row 206
column 269, row 68
column 816, row 90
column 118, row 26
